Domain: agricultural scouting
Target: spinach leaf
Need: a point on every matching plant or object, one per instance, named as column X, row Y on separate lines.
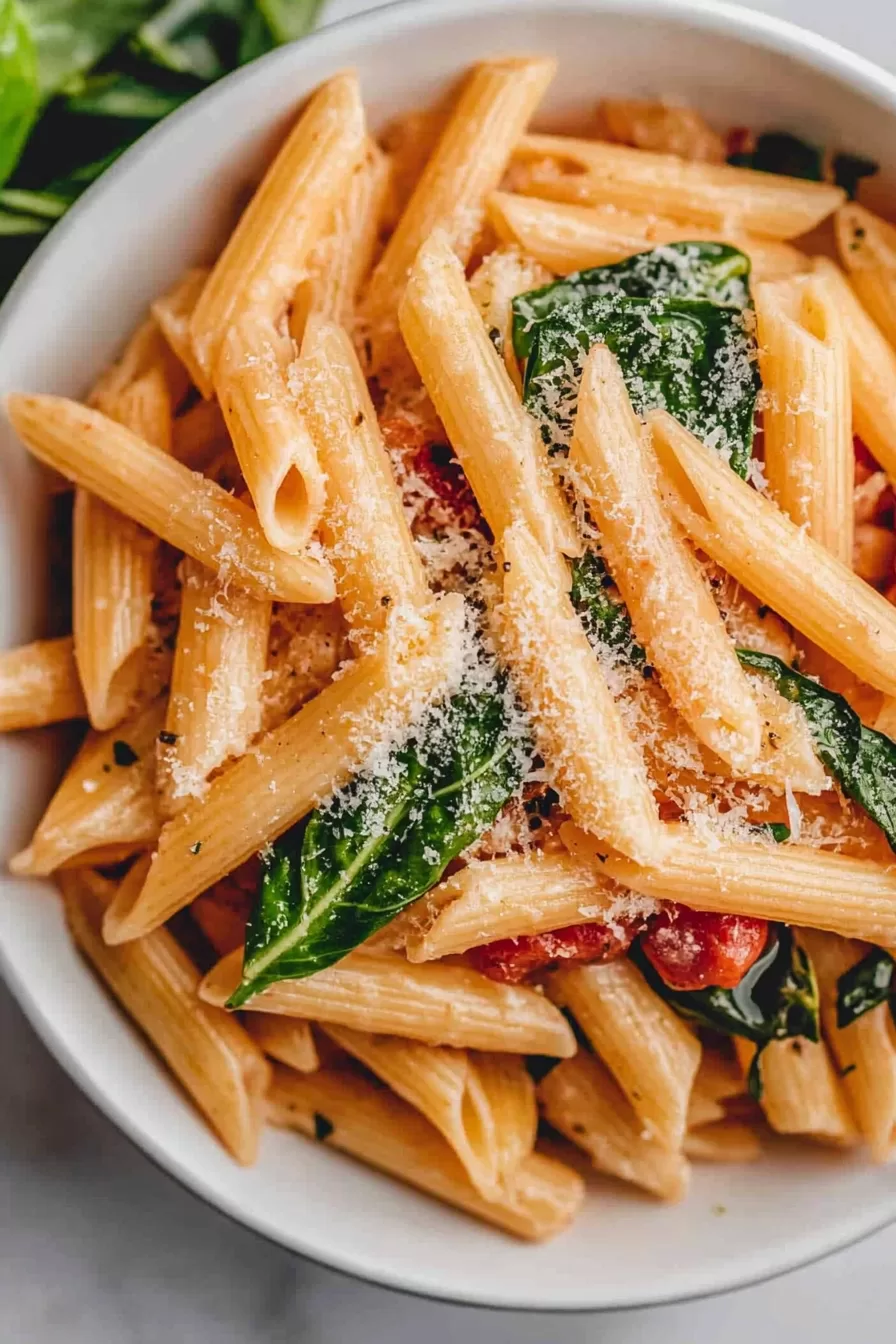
column 862, row 761
column 865, row 986
column 604, row 616
column 678, row 347
column 782, row 153
column 19, row 93
column 72, row 36
column 382, row 842
column 119, row 95
column 775, row 1000
column 201, row 38
column 710, row 271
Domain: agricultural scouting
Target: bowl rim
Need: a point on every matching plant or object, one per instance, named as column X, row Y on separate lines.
column 719, row 16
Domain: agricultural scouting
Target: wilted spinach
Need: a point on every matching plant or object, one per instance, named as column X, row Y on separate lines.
column 866, row 985
column 785, row 154
column 862, row 761
column 776, row 999
column 384, row 840
column 675, row 318
column 602, row 613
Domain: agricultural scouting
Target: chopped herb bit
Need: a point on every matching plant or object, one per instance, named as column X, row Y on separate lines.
column 762, row 611
column 847, row 1070
column 123, row 754
column 323, row 1127
column 167, row 738
column 865, row 986
column 194, row 849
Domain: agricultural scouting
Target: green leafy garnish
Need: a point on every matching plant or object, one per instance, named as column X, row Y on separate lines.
column 864, row 986
column 675, row 318
column 862, row 761
column 123, row 753
column 331, row 882
column 602, row 613
column 323, row 1127
column 776, row 999
column 81, row 80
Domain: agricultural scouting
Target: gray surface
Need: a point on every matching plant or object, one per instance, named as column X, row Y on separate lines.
column 98, row 1247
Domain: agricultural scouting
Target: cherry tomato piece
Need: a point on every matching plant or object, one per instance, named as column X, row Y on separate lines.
column 510, row 960
column 691, row 949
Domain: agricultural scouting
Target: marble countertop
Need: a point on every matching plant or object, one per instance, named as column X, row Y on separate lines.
column 97, row 1246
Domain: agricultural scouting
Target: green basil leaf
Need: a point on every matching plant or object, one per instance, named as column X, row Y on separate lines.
column 862, row 761
column 19, row 92
column 72, row 36
column 776, row 999
column 117, row 95
column 289, row 19
column 865, row 986
column 849, row 169
column 196, row 37
column 784, row 154
column 383, row 841
column 16, row 225
column 710, row 271
column 604, row 616
column 689, row 355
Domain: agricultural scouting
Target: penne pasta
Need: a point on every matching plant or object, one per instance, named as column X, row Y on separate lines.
column 199, row 435
column 672, row 611
column 193, row 514
column 567, row 238
column 173, row 312
column 215, row 704
column 592, row 172
column 864, row 1051
column 581, row 1099
column 723, row 1141
column 376, row 564
column 492, row 111
column 372, row 1124
column 39, row 684
column 437, row 1004
column 107, row 798
column 578, row 728
column 800, row 1090
column 340, row 262
column 289, row 1041
column 294, row 766
column 510, row 1095
column 496, row 442
column 807, row 415
column 146, row 351
column 667, row 128
column 791, row 883
column 867, row 247
column 872, row 367
column 774, row 558
column 268, row 250
column 274, row 449
column 507, row 897
column 217, row 1062
column 651, row 1053
column 494, row 285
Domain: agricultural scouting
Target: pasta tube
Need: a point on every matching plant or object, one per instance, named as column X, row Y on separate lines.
column 496, row 442
column 269, row 248
column 173, row 312
column 215, row 704
column 790, row 883
column 672, row 611
column 275, row 451
column 39, row 684
column 593, row 172
column 651, row 1053
column 207, row 1050
column 193, row 514
column 774, row 558
column 494, row 285
column 867, row 247
column 434, row 1003
column 569, row 238
column 800, row 1090
column 577, row 724
column 583, row 1101
column 493, row 109
column 289, row 1041
column 807, row 417
column 374, row 1125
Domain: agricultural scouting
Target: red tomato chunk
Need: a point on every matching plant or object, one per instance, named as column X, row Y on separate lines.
column 692, row 950
column 510, row 960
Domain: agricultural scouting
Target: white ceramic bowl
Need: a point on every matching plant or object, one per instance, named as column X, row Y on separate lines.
column 162, row 208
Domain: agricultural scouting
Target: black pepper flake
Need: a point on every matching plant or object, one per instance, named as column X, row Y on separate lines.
column 123, row 754
column 359, row 419
column 844, row 1072
column 385, row 600
column 506, row 566
column 535, row 823
column 762, row 611
column 647, row 672
column 579, row 1128
column 194, row 849
column 169, row 739
column 107, row 769
column 323, row 1127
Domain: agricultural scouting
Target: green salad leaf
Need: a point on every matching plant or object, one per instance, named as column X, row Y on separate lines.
column 19, row 88
column 602, row 612
column 864, row 986
column 777, row 999
column 862, row 761
column 785, row 154
column 384, row 840
column 677, row 320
